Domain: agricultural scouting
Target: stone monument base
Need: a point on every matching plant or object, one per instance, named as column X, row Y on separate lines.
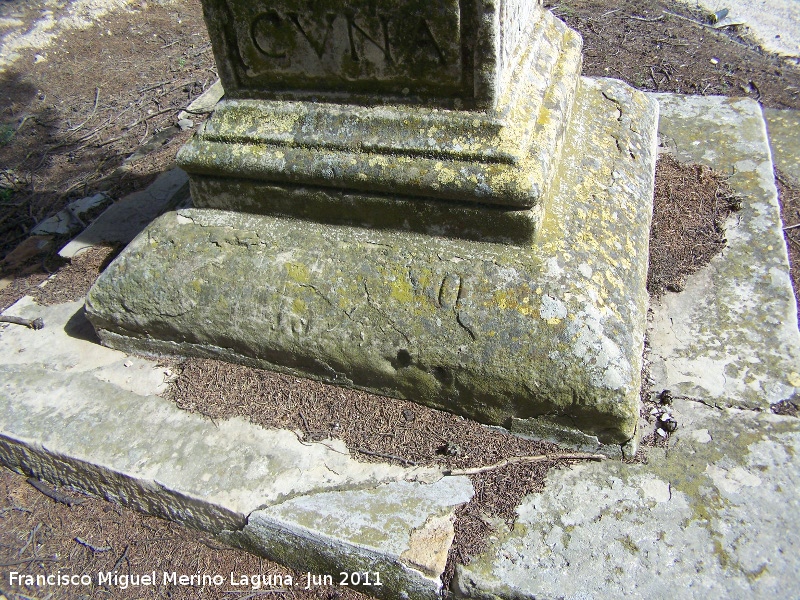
column 544, row 340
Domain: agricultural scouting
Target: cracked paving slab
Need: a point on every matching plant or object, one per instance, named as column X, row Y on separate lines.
column 716, row 513
column 74, row 412
column 731, row 336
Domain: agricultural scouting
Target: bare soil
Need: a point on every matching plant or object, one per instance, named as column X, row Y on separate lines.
column 664, row 46
column 74, row 119
column 70, row 122
column 40, row 536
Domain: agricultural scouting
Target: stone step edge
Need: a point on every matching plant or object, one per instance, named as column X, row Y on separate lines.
column 259, row 532
column 70, row 415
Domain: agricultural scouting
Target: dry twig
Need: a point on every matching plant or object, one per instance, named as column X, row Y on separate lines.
column 31, row 323
column 83, row 542
column 515, row 460
column 51, row 493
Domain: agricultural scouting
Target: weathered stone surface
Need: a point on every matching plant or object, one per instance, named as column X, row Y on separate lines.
column 125, row 219
column 69, row 220
column 731, row 336
column 433, row 50
column 489, row 331
column 74, row 412
column 409, row 553
column 340, row 163
column 715, row 514
column 784, row 139
column 433, row 217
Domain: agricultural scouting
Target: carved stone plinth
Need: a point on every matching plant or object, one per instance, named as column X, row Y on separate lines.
column 373, row 116
column 422, row 199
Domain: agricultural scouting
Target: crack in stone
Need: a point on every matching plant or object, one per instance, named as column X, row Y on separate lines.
column 419, row 475
column 465, row 327
column 616, row 103
column 321, row 295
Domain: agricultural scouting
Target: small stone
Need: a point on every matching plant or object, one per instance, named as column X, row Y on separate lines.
column 661, row 432
column 714, row 61
column 408, row 415
column 716, row 18
column 669, row 426
column 185, row 124
column 450, row 449
column 665, row 397
column 127, row 363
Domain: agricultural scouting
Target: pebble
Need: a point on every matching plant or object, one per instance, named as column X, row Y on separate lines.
column 185, row 124
column 665, row 397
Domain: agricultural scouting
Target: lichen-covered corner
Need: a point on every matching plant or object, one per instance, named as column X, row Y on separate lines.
column 713, row 514
column 489, row 331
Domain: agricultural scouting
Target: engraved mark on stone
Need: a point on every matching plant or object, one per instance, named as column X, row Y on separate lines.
column 291, row 323
column 425, row 40
column 275, row 35
column 317, row 45
column 268, row 25
column 450, row 291
column 353, row 28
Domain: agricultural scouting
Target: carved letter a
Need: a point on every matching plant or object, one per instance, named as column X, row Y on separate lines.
column 424, row 40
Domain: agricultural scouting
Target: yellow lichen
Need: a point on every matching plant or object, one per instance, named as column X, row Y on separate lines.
column 298, row 272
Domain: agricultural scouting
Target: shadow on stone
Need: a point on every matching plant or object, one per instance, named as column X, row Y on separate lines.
column 78, row 327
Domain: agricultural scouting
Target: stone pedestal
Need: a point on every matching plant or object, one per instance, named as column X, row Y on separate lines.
column 445, row 118
column 421, row 199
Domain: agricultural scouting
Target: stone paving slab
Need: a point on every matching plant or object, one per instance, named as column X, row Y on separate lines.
column 731, row 336
column 74, row 412
column 204, row 104
column 784, row 139
column 715, row 514
column 125, row 219
column 773, row 24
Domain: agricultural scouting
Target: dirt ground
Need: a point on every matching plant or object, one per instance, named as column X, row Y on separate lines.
column 67, row 126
